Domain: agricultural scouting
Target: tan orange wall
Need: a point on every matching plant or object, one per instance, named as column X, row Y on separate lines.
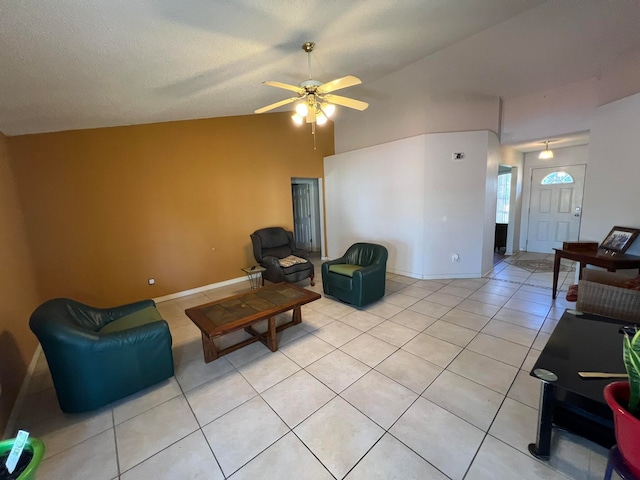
column 18, row 296
column 108, row 208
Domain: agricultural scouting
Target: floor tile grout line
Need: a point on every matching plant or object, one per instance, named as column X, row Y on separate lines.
column 261, row 451
column 141, row 413
column 504, row 398
column 200, row 427
column 291, row 429
column 388, row 430
column 115, row 442
column 159, row 451
column 311, row 451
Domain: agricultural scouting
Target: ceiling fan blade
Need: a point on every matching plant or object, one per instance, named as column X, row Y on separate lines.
column 276, row 105
column 286, row 86
column 346, row 102
column 338, row 83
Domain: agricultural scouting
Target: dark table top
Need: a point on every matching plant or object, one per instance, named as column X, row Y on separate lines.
column 238, row 311
column 600, row 258
column 583, row 342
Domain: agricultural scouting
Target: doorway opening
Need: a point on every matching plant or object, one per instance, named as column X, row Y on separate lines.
column 507, row 226
column 308, row 228
column 503, row 209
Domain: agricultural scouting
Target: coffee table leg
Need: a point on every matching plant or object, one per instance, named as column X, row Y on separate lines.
column 542, row 448
column 272, row 339
column 297, row 315
column 209, row 349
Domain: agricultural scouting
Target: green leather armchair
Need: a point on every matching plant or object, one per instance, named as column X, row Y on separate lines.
column 358, row 277
column 99, row 355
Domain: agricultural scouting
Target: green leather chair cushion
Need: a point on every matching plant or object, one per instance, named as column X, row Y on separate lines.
column 135, row 319
column 344, row 269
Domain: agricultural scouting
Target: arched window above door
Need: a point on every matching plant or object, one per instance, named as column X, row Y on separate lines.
column 557, row 177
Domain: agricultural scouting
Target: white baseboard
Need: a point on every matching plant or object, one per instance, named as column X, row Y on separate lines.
column 185, row 293
column 11, row 430
column 441, row 276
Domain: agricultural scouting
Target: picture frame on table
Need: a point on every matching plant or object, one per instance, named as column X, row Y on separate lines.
column 619, row 239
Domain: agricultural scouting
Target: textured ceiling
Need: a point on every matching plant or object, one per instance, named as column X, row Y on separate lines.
column 70, row 64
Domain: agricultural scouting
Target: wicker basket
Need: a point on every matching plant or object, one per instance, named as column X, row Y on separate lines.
column 599, row 293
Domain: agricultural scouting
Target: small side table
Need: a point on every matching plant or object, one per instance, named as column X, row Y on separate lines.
column 255, row 276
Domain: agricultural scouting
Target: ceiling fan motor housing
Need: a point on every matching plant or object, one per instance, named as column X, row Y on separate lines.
column 310, row 86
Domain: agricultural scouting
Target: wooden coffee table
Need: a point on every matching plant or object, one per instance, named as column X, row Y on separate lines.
column 243, row 311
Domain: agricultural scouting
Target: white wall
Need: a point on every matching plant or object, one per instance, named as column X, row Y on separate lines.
column 578, row 155
column 612, row 193
column 375, row 195
column 411, row 197
column 455, row 204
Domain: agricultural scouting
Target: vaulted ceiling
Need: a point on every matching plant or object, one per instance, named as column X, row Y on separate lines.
column 71, row 64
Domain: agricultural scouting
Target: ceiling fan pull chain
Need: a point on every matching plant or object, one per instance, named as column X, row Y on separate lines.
column 313, row 134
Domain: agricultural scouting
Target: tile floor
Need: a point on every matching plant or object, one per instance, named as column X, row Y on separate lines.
column 430, row 383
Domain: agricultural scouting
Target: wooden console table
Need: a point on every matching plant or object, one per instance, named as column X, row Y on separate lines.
column 598, row 258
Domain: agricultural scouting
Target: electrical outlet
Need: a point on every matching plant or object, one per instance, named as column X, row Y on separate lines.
column 152, row 281
column 455, row 257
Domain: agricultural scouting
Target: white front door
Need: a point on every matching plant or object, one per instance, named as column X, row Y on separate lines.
column 555, row 208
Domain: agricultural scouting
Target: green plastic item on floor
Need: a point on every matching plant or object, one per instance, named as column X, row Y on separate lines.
column 33, row 445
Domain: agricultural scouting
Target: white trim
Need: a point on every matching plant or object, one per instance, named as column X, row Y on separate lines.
column 323, row 246
column 403, row 273
column 436, row 276
column 184, row 293
column 446, row 276
column 10, row 430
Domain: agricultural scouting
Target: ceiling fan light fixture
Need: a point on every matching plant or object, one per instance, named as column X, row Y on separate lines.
column 329, row 109
column 320, row 118
column 546, row 154
column 302, row 109
column 315, row 101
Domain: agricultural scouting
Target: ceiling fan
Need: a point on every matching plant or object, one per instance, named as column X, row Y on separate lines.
column 316, row 103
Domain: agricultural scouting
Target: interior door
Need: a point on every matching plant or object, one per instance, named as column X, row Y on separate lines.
column 301, row 215
column 555, row 207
